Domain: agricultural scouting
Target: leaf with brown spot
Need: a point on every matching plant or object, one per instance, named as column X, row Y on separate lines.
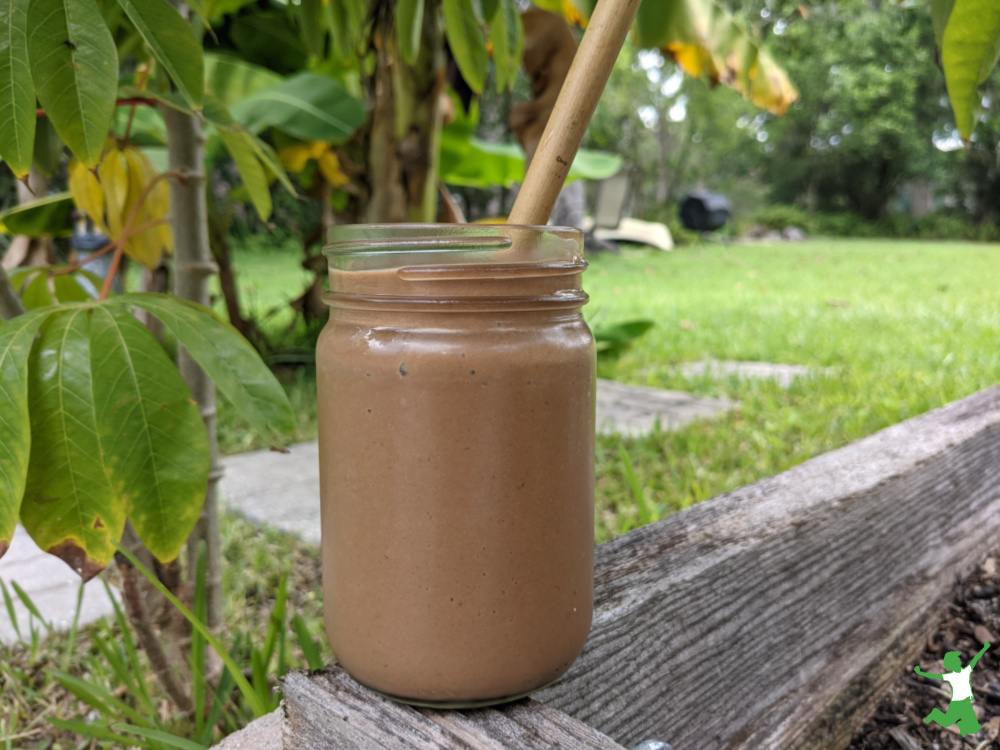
column 16, row 339
column 70, row 480
column 71, row 554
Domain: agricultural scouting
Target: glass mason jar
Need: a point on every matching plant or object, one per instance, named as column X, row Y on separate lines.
column 456, row 381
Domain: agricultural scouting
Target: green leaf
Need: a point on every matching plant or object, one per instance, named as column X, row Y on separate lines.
column 11, row 613
column 241, row 147
column 68, row 289
column 238, row 371
column 96, row 731
column 16, row 339
column 151, row 428
column 345, row 19
column 968, row 53
column 269, row 38
column 148, row 126
column 258, row 706
column 74, row 66
column 72, row 502
column 507, row 35
column 409, row 25
column 37, row 294
column 97, row 697
column 51, row 216
column 270, row 161
column 17, row 95
column 940, row 12
column 310, row 649
column 48, row 148
column 231, row 79
column 217, row 113
column 166, row 738
column 312, row 28
column 309, row 106
column 468, row 44
column 29, row 604
column 471, row 162
column 216, row 8
column 172, row 42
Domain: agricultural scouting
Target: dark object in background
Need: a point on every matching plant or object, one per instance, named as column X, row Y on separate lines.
column 704, row 211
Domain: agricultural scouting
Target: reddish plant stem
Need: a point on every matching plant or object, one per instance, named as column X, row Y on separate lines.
column 80, row 264
column 131, row 112
column 98, row 253
column 127, row 231
column 113, row 269
column 119, row 103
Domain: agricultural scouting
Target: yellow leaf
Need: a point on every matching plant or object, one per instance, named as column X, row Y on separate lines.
column 690, row 58
column 573, row 15
column 87, row 193
column 329, row 166
column 148, row 246
column 113, row 173
column 294, row 158
column 770, row 86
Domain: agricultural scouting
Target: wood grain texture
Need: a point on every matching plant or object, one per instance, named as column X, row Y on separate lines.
column 573, row 109
column 328, row 709
column 775, row 615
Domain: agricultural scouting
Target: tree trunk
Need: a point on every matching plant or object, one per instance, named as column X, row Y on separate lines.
column 192, row 266
column 404, row 130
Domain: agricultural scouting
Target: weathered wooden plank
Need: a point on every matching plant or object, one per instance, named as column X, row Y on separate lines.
column 773, row 616
column 328, row 709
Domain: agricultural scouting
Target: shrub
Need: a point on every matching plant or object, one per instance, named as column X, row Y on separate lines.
column 780, row 217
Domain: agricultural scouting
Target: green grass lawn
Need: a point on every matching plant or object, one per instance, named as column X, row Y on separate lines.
column 895, row 328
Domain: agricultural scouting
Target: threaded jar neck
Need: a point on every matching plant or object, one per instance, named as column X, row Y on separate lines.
column 458, row 267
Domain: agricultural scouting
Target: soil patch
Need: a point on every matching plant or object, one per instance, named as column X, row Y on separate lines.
column 973, row 618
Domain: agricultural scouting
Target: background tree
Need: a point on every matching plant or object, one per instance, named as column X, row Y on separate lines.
column 874, row 107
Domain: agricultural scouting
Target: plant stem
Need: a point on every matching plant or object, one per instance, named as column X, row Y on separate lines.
column 98, row 253
column 192, row 267
column 81, row 263
column 139, row 617
column 40, row 112
column 131, row 111
column 10, row 304
column 112, row 269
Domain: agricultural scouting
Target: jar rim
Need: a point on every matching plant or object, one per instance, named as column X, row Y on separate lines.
column 417, row 242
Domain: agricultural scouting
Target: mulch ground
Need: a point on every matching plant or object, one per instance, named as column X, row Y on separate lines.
column 972, row 619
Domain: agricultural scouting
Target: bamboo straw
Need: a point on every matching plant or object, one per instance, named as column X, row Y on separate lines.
column 573, row 109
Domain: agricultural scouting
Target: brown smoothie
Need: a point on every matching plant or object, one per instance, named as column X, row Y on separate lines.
column 456, row 469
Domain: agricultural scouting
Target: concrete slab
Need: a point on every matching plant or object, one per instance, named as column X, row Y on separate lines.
column 783, row 374
column 282, row 490
column 279, row 489
column 51, row 585
column 633, row 410
column 261, row 734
